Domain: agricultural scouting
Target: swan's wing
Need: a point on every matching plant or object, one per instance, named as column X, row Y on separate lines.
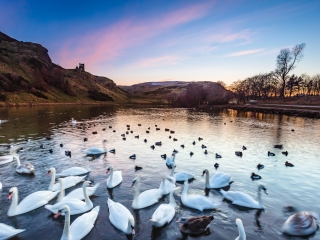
column 165, row 212
column 36, row 199
column 83, row 224
column 243, row 199
column 119, row 216
column 75, row 206
column 7, row 231
column 199, row 202
column 78, row 193
column 73, row 171
column 71, row 181
column 148, row 197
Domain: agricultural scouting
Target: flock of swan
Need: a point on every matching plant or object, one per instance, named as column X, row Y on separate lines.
column 301, row 223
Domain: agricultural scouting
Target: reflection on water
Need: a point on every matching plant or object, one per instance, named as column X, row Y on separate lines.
column 41, row 129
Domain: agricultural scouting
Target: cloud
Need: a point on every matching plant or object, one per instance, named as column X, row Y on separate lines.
column 155, row 62
column 230, row 37
column 246, row 52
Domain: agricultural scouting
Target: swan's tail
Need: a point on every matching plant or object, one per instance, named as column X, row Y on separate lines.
column 50, row 208
column 223, row 192
column 96, row 186
column 110, row 202
column 96, row 209
column 17, row 231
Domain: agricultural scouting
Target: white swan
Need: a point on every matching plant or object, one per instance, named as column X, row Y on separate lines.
column 243, row 199
column 115, row 177
column 218, row 180
column 67, row 181
column 165, row 212
column 121, row 217
column 77, row 193
column 73, row 121
column 26, row 168
column 7, row 231
column 76, row 206
column 81, row 226
column 195, row 200
column 242, row 233
column 30, row 202
column 181, row 176
column 167, row 184
column 146, row 198
column 96, row 150
column 301, row 224
column 6, row 159
column 171, row 160
column 73, row 171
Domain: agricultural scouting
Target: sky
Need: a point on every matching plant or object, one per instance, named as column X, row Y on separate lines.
column 163, row 40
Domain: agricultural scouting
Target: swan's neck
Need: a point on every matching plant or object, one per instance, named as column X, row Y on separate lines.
column 18, row 160
column 53, row 178
column 62, row 192
column 259, row 197
column 14, row 202
column 172, row 202
column 207, row 179
column 111, row 176
column 137, row 189
column 85, row 194
column 172, row 172
column 104, row 146
column 242, row 233
column 66, row 229
column 185, row 189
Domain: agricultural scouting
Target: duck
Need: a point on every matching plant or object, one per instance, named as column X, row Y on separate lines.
column 152, row 147
column 260, row 166
column 200, row 139
column 30, row 202
column 171, row 160
column 191, row 154
column 243, row 199
column 255, row 176
column 164, row 156
column 96, row 151
column 203, row 146
column 169, row 137
column 285, row 153
column 25, row 168
column 216, row 165
column 146, row 198
column 218, row 180
column 244, row 148
column 238, row 153
column 167, row 184
column 145, row 140
column 288, row 164
column 205, row 151
column 136, row 136
column 50, row 151
column 73, row 121
column 67, row 181
column 133, row 156
column 124, row 139
column 194, row 225
column 76, row 193
column 218, row 155
column 165, row 212
column 174, row 139
column 112, row 151
column 85, row 139
column 76, row 206
column 271, row 153
column 301, row 224
column 123, row 135
column 280, row 146
column 182, row 145
column 73, row 171
column 175, row 151
column 158, row 143
column 242, row 233
column 196, row 201
column 180, row 176
column 81, row 226
column 115, row 177
column 61, row 145
column 7, row 231
column 194, row 142
column 67, row 153
column 137, row 168
column 121, row 217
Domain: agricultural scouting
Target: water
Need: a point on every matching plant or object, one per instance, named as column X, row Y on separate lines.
column 222, row 132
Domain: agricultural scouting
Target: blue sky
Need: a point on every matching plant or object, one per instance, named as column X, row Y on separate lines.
column 139, row 41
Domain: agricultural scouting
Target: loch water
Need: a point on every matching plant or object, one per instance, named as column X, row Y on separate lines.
column 223, row 132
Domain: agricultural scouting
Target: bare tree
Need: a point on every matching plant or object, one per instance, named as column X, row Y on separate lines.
column 286, row 61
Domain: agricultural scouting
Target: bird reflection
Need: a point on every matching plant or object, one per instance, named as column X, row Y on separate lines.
column 110, row 191
column 257, row 216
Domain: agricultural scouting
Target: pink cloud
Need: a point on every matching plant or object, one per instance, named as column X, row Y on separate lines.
column 154, row 62
column 230, row 37
column 241, row 53
column 109, row 43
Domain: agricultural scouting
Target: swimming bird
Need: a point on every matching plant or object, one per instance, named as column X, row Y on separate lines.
column 194, row 225
column 61, row 145
column 67, row 181
column 205, row 151
column 158, row 143
column 196, row 201
column 243, row 199
column 73, row 171
column 301, row 224
column 85, row 139
column 200, row 139
column 30, row 202
column 242, row 233
column 121, row 217
column 133, row 156
column 191, row 154
column 238, row 153
column 270, row 153
column 26, row 167
column 182, row 146
column 115, row 177
column 285, row 153
column 73, row 121
column 146, row 198
column 124, row 139
column 218, row 180
column 137, row 168
column 167, row 184
column 174, row 139
column 123, row 135
column 67, row 153
column 96, row 150
column 216, row 165
column 218, row 155
column 194, row 142
column 288, row 164
column 112, row 151
column 165, row 212
column 255, row 176
column 145, row 140
column 152, row 147
column 81, row 226
column 180, row 176
column 244, row 148
column 171, row 160
column 7, row 231
column 137, row 136
column 260, row 166
column 175, row 151
column 164, row 156
column 203, row 146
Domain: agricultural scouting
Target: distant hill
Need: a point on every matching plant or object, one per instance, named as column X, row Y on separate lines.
column 27, row 74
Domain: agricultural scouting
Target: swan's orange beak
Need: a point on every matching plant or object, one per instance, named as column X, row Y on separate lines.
column 57, row 215
column 48, row 173
column 10, row 196
column 107, row 171
column 133, row 232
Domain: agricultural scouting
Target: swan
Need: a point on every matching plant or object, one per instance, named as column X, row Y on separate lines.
column 81, row 226
column 146, row 198
column 243, row 199
column 6, row 159
column 121, row 217
column 194, row 225
column 76, row 206
column 180, row 176
column 301, row 224
column 73, row 121
column 30, row 202
column 195, row 200
column 67, row 181
column 7, row 231
column 95, row 150
column 170, row 160
column 115, row 177
column 76, row 193
column 165, row 212
column 218, row 180
column 73, row 171
column 27, row 167
column 242, row 233
column 167, row 184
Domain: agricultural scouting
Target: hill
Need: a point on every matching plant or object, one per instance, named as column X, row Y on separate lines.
column 27, row 75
